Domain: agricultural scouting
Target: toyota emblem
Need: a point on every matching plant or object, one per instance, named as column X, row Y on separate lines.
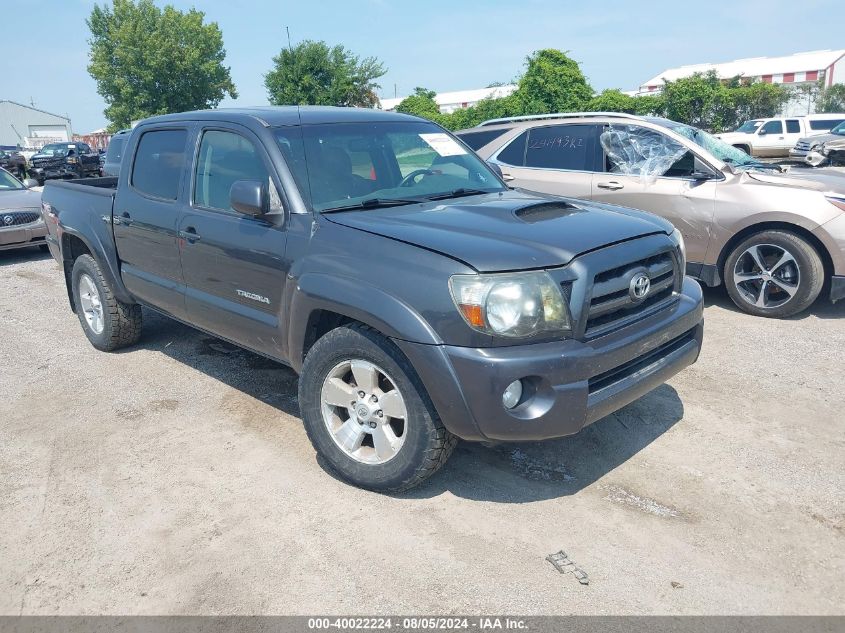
column 7, row 220
column 640, row 285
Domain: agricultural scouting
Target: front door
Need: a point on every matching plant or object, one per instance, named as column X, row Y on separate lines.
column 771, row 139
column 234, row 264
column 146, row 215
column 554, row 159
column 647, row 170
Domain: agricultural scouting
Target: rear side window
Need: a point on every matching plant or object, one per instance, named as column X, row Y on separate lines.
column 824, row 124
column 514, row 153
column 773, row 127
column 159, row 163
column 561, row 147
column 792, row 126
column 115, row 150
column 477, row 140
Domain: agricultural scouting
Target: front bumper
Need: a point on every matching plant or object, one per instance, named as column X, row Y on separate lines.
column 41, row 173
column 23, row 236
column 798, row 154
column 569, row 384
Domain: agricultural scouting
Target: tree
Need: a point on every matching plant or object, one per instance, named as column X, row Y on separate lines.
column 832, row 99
column 612, row 101
column 553, row 82
column 149, row 61
column 421, row 104
column 809, row 93
column 313, row 73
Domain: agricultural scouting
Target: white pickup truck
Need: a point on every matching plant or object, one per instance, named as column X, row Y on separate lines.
column 776, row 136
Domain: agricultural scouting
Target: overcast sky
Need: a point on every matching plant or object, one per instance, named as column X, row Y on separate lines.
column 439, row 44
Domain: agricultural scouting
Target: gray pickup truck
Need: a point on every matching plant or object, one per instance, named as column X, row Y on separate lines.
column 419, row 298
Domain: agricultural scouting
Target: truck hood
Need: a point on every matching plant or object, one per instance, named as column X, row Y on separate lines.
column 514, row 230
column 818, row 139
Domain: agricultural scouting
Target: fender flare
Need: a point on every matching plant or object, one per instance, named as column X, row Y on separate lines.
column 99, row 252
column 357, row 300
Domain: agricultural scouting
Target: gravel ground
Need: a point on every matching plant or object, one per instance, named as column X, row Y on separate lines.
column 175, row 477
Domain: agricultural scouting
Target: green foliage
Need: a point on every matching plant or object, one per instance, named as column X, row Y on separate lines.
column 149, row 61
column 612, row 101
column 421, row 104
column 553, row 82
column 832, row 99
column 313, row 73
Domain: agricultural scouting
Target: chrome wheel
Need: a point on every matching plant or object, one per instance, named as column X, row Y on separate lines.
column 92, row 306
column 766, row 275
column 363, row 411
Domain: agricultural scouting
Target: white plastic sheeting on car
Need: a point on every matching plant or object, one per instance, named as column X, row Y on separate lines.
column 640, row 151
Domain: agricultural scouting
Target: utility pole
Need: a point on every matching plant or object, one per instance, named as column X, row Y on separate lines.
column 290, row 48
column 31, row 101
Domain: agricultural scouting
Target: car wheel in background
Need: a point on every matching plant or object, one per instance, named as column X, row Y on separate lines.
column 774, row 274
column 367, row 413
column 107, row 322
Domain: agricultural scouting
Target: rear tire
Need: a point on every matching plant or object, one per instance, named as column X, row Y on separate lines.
column 774, row 274
column 349, row 430
column 107, row 322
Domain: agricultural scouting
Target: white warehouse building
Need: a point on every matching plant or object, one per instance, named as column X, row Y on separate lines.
column 448, row 102
column 800, row 68
column 27, row 127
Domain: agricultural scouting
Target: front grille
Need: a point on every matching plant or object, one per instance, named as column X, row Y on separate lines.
column 48, row 162
column 621, row 372
column 16, row 218
column 611, row 304
column 802, row 145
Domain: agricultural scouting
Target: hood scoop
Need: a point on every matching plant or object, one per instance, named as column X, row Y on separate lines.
column 546, row 211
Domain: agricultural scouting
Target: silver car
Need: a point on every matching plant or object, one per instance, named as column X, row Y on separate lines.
column 21, row 224
column 809, row 144
column 774, row 239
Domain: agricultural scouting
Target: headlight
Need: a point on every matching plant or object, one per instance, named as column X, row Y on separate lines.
column 682, row 248
column 71, row 160
column 510, row 304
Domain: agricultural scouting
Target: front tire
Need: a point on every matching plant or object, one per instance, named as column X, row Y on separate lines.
column 774, row 274
column 367, row 413
column 107, row 322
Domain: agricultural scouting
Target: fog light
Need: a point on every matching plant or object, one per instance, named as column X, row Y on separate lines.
column 512, row 394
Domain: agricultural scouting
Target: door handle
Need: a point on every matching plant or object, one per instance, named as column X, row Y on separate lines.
column 612, row 185
column 190, row 234
column 507, row 177
column 124, row 219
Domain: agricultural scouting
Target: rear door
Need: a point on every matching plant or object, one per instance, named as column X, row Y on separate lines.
column 234, row 264
column 647, row 170
column 146, row 215
column 556, row 159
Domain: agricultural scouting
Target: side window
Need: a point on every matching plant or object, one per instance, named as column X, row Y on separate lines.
column 639, row 151
column 224, row 158
column 773, row 127
column 561, row 147
column 159, row 162
column 824, row 124
column 514, row 154
column 115, row 149
column 793, row 126
column 477, row 140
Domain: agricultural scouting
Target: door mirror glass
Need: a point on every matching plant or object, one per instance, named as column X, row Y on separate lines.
column 248, row 197
column 29, row 183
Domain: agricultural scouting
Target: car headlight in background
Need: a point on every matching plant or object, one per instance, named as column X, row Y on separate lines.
column 678, row 239
column 511, row 304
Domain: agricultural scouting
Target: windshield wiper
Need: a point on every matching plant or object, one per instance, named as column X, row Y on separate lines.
column 457, row 193
column 375, row 203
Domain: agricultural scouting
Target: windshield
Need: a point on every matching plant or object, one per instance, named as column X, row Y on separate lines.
column 54, row 149
column 343, row 165
column 749, row 127
column 839, row 129
column 9, row 182
column 719, row 149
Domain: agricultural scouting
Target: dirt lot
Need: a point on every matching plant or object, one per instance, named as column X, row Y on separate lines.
column 175, row 477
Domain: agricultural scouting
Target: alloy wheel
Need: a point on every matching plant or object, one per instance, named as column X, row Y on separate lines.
column 766, row 275
column 92, row 306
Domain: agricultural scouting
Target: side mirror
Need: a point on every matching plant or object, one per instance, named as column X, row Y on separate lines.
column 762, row 132
column 699, row 176
column 29, row 183
column 495, row 168
column 248, row 197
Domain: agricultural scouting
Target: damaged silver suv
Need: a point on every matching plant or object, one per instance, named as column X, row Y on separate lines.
column 775, row 239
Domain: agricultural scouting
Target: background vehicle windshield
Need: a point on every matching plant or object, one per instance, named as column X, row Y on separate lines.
column 54, row 149
column 8, row 181
column 839, row 129
column 749, row 127
column 344, row 164
column 719, row 149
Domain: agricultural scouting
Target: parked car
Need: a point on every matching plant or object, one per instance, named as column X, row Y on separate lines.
column 114, row 153
column 774, row 239
column 64, row 160
column 21, row 224
column 775, row 137
column 418, row 297
column 13, row 162
column 809, row 144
